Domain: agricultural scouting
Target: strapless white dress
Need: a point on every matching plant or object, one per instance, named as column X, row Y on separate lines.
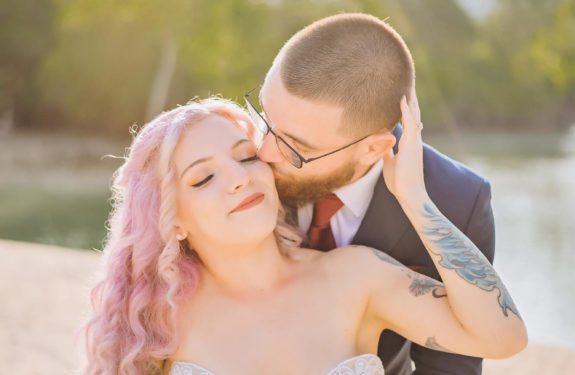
column 365, row 364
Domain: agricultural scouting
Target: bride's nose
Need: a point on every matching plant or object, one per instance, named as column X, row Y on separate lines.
column 239, row 177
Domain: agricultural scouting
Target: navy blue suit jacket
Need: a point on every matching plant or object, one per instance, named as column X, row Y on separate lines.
column 464, row 198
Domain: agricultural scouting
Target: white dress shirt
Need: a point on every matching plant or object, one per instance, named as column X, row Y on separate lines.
column 356, row 198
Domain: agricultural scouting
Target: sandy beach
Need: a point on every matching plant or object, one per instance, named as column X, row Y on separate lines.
column 44, row 298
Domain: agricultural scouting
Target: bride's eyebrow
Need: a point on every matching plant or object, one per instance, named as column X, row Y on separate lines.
column 202, row 160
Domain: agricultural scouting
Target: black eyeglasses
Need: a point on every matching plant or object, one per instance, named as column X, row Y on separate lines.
column 287, row 151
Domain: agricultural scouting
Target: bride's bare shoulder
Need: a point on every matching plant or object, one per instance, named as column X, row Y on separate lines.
column 304, row 255
column 353, row 254
column 350, row 258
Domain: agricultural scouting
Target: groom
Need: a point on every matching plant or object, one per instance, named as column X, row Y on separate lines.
column 331, row 100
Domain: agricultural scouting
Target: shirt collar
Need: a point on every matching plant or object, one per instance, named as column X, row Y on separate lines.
column 357, row 195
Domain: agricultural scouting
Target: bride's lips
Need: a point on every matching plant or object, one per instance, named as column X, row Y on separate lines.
column 249, row 202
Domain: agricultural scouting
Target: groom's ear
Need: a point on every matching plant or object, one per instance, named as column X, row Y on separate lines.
column 374, row 147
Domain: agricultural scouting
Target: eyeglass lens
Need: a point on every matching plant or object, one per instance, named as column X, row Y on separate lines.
column 263, row 129
column 259, row 123
column 288, row 153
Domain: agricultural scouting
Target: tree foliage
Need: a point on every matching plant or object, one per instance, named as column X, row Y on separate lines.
column 89, row 65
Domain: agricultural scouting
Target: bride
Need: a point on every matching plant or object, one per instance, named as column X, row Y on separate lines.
column 202, row 275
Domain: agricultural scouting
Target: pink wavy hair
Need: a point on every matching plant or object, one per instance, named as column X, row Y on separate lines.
column 147, row 272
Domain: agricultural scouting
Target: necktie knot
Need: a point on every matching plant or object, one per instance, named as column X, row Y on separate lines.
column 320, row 233
column 324, row 209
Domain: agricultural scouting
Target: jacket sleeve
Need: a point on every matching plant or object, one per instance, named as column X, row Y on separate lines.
column 481, row 230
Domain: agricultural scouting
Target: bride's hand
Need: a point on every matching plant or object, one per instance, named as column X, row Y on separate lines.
column 403, row 172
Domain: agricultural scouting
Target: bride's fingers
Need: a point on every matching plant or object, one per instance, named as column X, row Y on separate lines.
column 410, row 119
column 388, row 155
column 414, row 106
column 417, row 116
column 406, row 117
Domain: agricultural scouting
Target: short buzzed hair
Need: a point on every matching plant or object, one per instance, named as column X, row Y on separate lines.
column 354, row 61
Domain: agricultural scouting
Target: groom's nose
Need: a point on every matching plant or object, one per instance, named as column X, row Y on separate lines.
column 269, row 151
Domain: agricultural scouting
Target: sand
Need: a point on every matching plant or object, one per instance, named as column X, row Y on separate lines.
column 44, row 298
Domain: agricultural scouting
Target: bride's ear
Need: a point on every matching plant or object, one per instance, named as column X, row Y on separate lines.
column 375, row 147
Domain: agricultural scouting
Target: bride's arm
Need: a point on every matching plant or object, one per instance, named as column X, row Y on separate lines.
column 471, row 312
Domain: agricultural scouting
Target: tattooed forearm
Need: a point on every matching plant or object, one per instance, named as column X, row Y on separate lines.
column 420, row 284
column 458, row 253
column 431, row 343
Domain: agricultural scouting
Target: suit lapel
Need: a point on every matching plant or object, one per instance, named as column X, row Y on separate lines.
column 384, row 222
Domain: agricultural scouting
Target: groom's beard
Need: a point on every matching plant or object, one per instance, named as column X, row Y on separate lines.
column 295, row 192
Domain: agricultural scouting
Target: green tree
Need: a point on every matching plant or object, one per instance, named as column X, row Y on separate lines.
column 25, row 37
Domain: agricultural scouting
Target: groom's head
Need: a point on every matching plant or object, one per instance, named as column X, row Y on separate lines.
column 333, row 83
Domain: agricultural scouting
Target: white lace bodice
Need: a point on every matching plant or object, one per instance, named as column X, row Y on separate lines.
column 365, row 364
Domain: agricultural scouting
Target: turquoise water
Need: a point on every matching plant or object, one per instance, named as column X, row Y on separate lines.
column 55, row 190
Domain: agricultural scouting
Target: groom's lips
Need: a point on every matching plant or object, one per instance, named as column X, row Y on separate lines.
column 249, row 202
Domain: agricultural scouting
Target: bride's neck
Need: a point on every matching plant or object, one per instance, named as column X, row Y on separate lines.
column 244, row 270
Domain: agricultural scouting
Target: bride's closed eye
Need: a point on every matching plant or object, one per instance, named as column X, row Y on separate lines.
column 251, row 158
column 208, row 178
column 203, row 182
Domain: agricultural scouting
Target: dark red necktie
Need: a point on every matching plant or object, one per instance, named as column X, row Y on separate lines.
column 320, row 234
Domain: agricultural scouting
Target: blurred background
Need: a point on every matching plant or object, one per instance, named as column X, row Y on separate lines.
column 495, row 82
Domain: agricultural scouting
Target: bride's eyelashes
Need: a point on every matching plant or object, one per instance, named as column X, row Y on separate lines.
column 203, row 182
column 208, row 178
column 251, row 158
